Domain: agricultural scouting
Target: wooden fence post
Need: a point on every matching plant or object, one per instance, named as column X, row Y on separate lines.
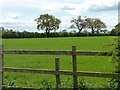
column 74, row 61
column 2, row 62
column 57, row 67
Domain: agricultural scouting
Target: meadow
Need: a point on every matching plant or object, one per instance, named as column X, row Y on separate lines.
column 84, row 63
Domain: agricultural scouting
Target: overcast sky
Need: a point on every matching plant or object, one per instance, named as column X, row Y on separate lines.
column 20, row 14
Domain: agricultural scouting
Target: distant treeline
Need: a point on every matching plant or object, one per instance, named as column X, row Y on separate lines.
column 26, row 34
column 49, row 24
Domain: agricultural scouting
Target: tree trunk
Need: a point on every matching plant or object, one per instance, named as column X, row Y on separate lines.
column 97, row 32
column 93, row 31
column 47, row 33
column 80, row 30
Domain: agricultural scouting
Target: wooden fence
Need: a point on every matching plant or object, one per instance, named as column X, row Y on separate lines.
column 57, row 72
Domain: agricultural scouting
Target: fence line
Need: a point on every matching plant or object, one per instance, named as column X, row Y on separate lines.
column 2, row 61
column 59, row 52
column 62, row 72
column 57, row 72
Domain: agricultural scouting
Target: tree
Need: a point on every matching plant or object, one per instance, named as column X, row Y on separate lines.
column 95, row 25
column 78, row 23
column 48, row 23
column 116, row 30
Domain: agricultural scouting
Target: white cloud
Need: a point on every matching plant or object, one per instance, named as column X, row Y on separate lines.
column 72, row 7
column 17, row 21
column 102, row 5
column 65, row 22
column 9, row 16
column 56, row 5
column 111, row 20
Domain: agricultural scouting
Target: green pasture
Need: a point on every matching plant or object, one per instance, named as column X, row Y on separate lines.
column 84, row 63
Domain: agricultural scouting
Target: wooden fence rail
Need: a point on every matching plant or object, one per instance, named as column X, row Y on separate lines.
column 62, row 72
column 57, row 72
column 60, row 52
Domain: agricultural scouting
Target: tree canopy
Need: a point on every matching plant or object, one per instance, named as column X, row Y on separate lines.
column 48, row 23
column 95, row 25
column 78, row 23
column 116, row 30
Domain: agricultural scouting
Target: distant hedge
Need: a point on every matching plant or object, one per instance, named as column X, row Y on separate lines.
column 25, row 34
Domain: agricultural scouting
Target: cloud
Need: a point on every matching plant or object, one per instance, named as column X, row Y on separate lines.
column 67, row 8
column 10, row 17
column 72, row 8
column 17, row 21
column 65, row 22
column 103, row 7
column 57, row 5
column 109, row 19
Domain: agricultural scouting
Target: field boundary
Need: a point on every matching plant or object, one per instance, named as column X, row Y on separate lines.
column 58, row 52
column 57, row 72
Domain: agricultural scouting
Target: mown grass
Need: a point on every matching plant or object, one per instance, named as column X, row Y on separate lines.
column 84, row 63
column 82, row 43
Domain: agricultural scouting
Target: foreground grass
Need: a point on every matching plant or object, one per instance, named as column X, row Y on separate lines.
column 93, row 64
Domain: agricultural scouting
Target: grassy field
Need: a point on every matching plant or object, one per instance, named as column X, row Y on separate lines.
column 89, row 63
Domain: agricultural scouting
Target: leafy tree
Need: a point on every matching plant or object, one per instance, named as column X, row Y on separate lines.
column 95, row 25
column 48, row 23
column 78, row 23
column 116, row 30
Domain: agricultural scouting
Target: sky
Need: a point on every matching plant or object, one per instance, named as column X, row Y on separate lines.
column 19, row 15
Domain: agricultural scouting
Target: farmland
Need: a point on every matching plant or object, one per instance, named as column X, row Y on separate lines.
column 89, row 63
